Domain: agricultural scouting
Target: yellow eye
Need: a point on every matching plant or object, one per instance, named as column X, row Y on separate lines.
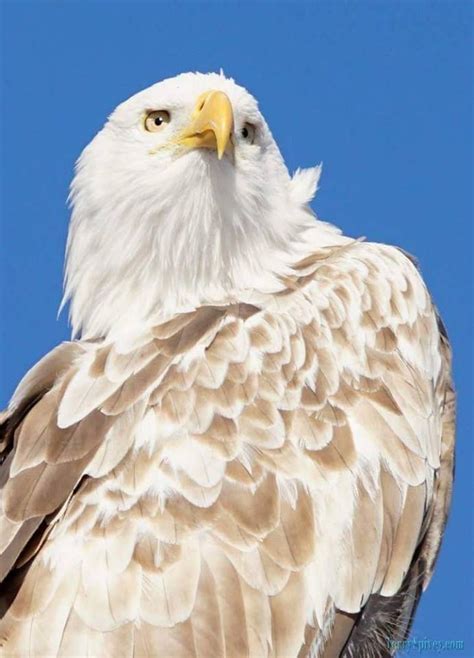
column 248, row 132
column 157, row 120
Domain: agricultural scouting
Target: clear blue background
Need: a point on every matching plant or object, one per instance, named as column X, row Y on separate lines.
column 379, row 91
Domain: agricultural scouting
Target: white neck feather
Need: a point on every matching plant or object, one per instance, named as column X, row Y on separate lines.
column 131, row 257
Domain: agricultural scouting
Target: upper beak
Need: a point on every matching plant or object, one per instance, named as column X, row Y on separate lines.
column 211, row 124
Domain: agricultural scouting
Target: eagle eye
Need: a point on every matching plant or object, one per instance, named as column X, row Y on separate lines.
column 157, row 120
column 248, row 132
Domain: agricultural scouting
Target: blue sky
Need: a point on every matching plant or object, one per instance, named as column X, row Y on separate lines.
column 378, row 91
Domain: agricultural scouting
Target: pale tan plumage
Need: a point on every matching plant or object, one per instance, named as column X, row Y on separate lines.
column 239, row 481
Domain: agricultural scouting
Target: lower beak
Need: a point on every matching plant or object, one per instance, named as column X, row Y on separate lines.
column 211, row 125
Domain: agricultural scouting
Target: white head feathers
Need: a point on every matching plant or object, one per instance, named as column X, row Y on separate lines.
column 156, row 227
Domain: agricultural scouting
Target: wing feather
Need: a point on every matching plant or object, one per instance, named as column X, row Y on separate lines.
column 237, row 481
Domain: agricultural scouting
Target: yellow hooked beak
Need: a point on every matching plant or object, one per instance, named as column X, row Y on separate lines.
column 211, row 124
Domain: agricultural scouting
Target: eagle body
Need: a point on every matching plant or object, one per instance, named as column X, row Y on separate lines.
column 261, row 469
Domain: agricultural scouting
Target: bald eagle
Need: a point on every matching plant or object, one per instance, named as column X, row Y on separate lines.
column 246, row 449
